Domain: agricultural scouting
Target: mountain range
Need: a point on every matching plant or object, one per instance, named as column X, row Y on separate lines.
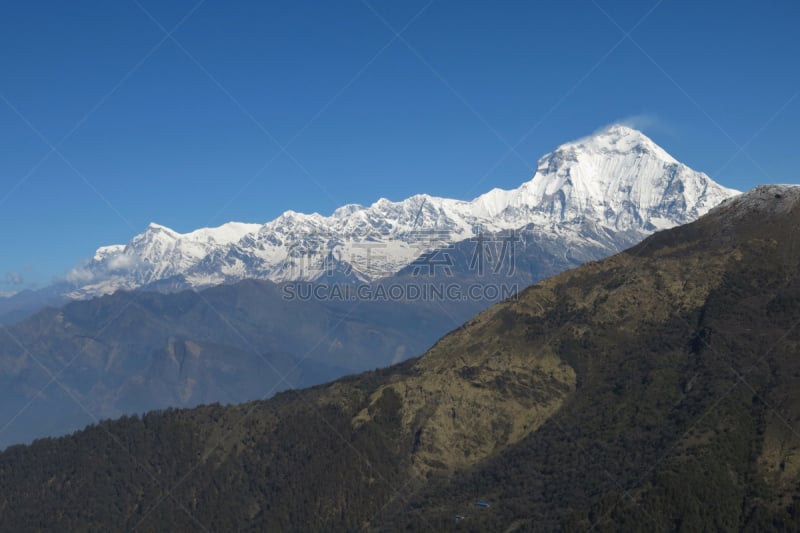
column 656, row 389
column 612, row 188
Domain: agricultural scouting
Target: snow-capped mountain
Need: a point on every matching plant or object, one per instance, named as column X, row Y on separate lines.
column 617, row 183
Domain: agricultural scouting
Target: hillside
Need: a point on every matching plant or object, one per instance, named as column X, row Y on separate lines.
column 654, row 390
column 133, row 352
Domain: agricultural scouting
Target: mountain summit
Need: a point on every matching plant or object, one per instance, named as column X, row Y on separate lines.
column 614, row 187
column 618, row 178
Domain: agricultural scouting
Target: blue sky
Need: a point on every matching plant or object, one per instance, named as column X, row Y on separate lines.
column 252, row 108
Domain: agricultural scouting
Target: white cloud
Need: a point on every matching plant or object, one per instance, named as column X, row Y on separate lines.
column 122, row 262
column 80, row 275
column 645, row 122
column 90, row 271
column 14, row 279
column 642, row 121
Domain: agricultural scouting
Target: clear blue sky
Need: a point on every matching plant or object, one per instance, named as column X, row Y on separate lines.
column 176, row 131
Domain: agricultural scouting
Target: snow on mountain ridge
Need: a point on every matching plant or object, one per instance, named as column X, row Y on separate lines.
column 617, row 179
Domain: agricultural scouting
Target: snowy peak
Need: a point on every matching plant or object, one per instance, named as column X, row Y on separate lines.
column 618, row 177
column 619, row 139
column 159, row 228
column 615, row 182
column 225, row 234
